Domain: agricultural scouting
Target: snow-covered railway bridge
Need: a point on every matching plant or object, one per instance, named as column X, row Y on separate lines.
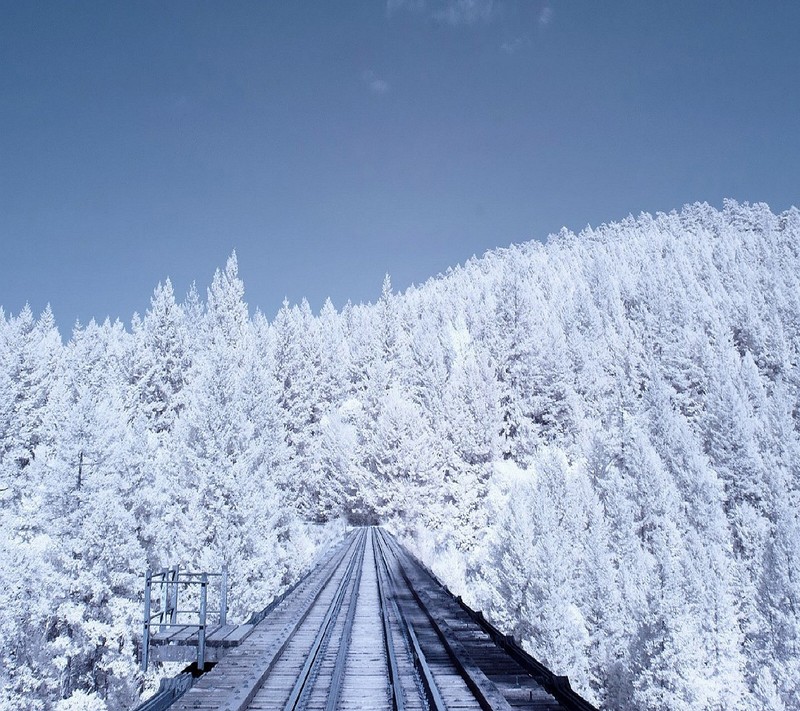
column 371, row 628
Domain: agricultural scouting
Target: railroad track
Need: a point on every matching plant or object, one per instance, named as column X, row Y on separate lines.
column 447, row 682
column 370, row 629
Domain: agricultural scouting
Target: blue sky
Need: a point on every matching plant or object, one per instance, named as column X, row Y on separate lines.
column 329, row 143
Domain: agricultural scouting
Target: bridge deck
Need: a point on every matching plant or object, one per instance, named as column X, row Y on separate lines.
column 370, row 628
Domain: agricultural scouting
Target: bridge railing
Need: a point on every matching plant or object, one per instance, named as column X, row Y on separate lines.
column 162, row 609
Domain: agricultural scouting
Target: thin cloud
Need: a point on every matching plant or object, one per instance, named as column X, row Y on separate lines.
column 451, row 12
column 465, row 12
column 379, row 86
column 515, row 45
column 546, row 15
column 376, row 84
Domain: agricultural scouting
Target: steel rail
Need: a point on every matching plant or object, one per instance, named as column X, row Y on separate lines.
column 248, row 697
column 435, row 699
column 558, row 686
column 395, row 683
column 456, row 652
column 337, row 678
column 314, row 658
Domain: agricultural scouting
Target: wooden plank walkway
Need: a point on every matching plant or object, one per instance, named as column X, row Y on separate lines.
column 180, row 643
column 371, row 628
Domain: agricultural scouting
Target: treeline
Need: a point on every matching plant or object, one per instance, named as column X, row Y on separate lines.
column 594, row 440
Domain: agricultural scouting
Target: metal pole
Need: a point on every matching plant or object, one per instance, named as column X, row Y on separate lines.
column 223, row 596
column 173, row 618
column 146, row 636
column 201, row 635
column 164, row 598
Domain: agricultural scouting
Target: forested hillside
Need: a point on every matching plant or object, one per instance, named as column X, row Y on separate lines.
column 594, row 440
